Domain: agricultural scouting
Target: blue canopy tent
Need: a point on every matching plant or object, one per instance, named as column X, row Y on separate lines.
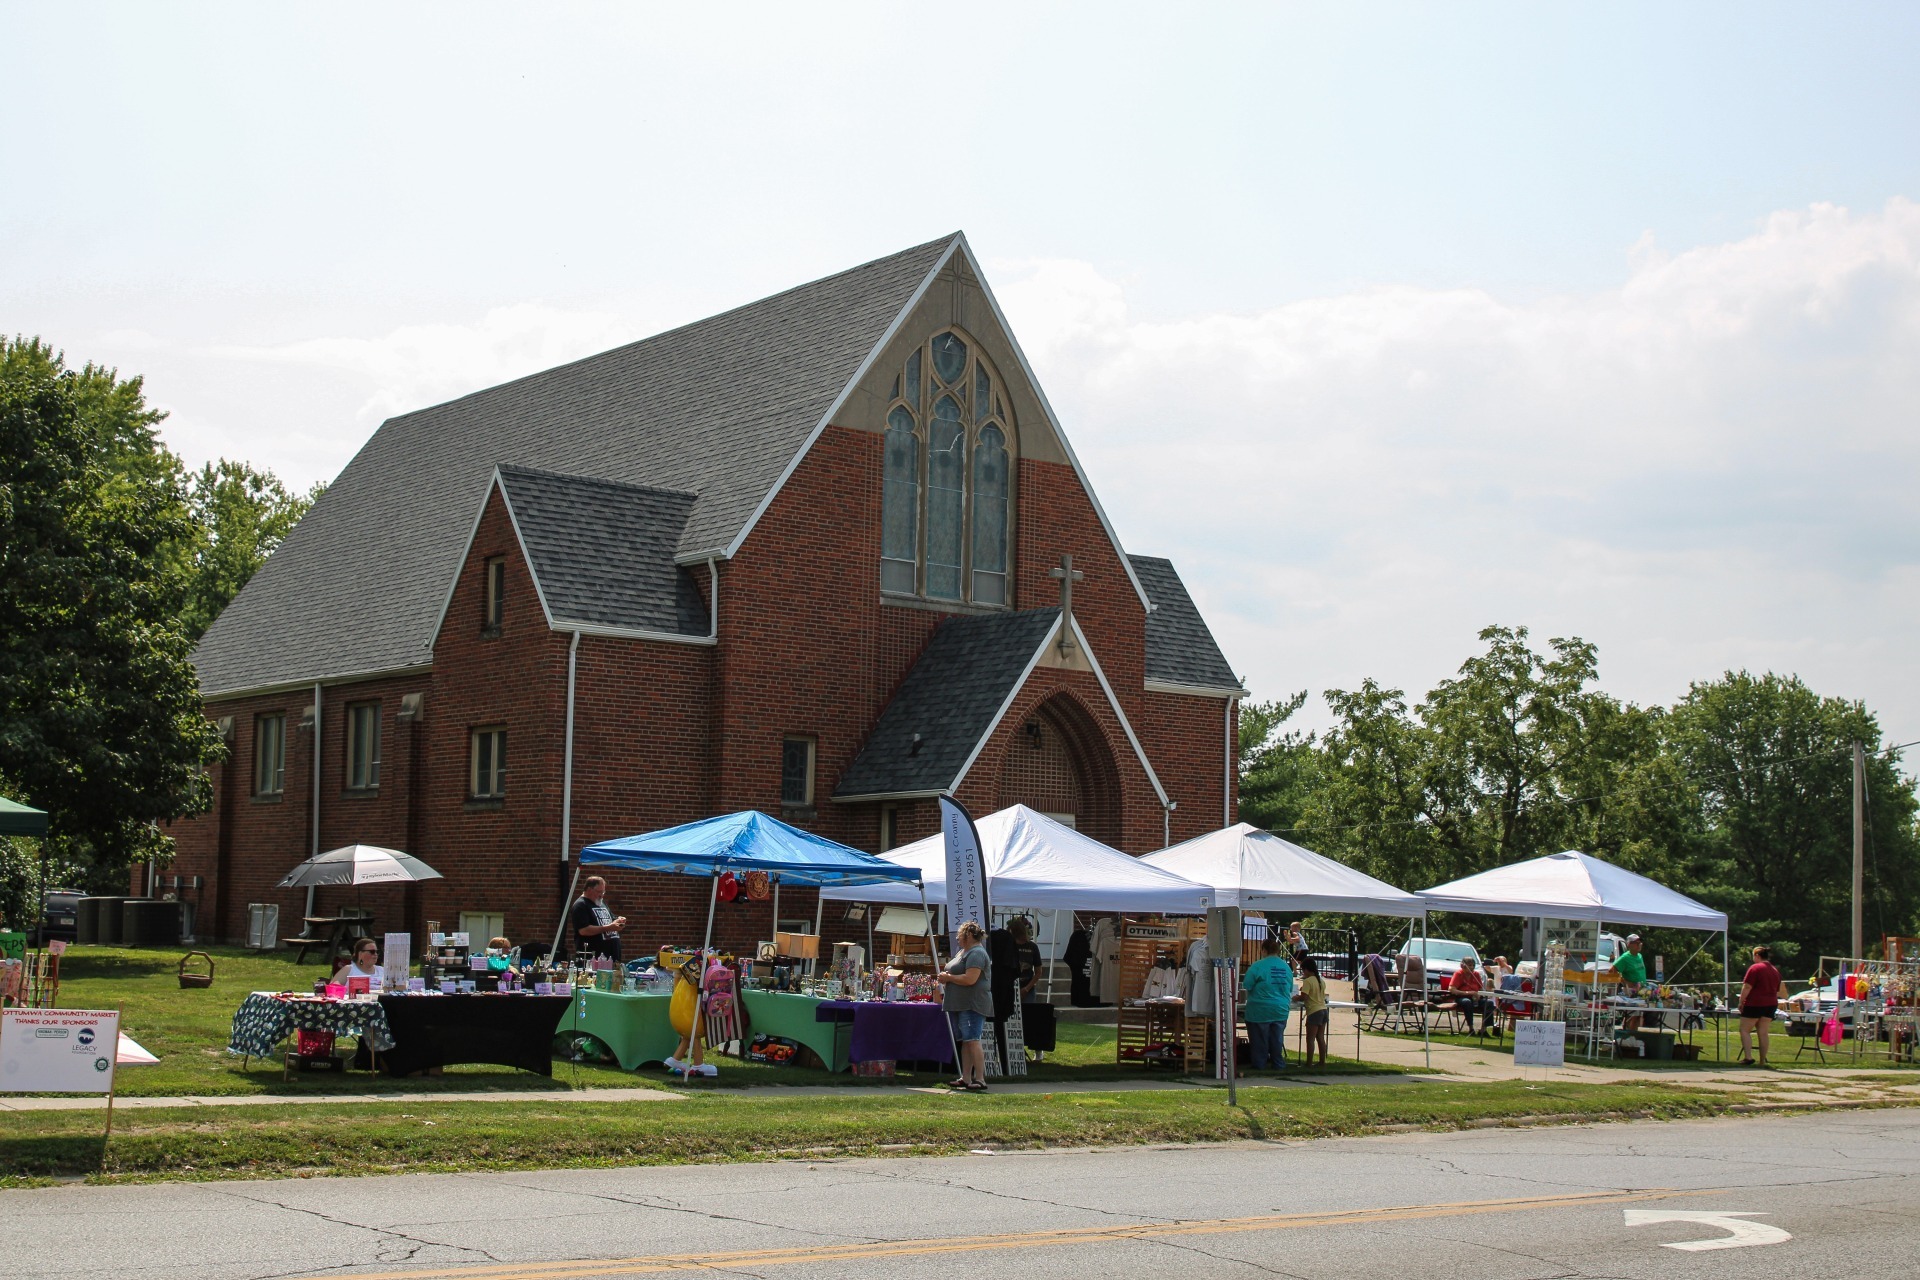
column 737, row 842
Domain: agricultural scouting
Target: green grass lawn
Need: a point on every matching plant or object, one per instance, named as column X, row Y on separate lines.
column 425, row 1136
column 187, row 1029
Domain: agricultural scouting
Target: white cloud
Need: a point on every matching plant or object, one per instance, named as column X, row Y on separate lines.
column 419, row 365
column 1710, row 465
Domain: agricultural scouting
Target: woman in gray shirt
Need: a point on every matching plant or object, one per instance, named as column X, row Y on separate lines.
column 968, row 999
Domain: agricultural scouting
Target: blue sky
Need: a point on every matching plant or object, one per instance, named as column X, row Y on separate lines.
column 1600, row 319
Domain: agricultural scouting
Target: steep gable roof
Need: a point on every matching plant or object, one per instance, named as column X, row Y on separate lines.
column 947, row 705
column 721, row 409
column 1180, row 648
column 602, row 553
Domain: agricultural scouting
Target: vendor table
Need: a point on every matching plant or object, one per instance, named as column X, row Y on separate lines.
column 637, row 1029
column 265, row 1018
column 634, row 1025
column 892, row 1030
column 796, row 1017
column 440, row 1030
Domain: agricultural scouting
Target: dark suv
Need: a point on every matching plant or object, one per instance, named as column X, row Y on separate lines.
column 57, row 917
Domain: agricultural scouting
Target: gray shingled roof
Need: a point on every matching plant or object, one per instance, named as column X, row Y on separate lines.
column 603, row 552
column 1180, row 649
column 949, row 698
column 717, row 409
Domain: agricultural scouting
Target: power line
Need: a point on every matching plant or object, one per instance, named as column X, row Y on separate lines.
column 1573, row 800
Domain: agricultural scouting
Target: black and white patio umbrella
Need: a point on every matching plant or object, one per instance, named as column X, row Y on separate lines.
column 358, row 864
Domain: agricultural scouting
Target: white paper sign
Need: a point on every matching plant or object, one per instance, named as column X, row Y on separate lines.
column 1539, row 1044
column 58, row 1050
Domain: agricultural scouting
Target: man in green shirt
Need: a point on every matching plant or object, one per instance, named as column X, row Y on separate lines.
column 1631, row 965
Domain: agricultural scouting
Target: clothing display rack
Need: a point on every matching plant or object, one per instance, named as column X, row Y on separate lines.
column 1164, row 1031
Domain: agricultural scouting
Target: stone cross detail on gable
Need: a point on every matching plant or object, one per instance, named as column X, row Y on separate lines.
column 1067, row 576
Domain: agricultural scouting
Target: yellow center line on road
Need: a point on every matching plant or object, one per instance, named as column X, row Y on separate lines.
column 793, row 1255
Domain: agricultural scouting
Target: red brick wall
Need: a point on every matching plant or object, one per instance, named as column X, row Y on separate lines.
column 500, row 856
column 1186, row 737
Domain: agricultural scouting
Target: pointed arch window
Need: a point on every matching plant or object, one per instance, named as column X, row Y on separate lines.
column 947, row 477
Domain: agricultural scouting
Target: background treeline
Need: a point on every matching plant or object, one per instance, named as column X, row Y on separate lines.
column 1739, row 794
column 114, row 558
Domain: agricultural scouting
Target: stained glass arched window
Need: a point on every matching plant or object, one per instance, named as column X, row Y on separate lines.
column 900, row 504
column 945, row 507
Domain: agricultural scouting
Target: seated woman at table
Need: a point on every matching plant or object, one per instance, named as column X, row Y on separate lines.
column 500, row 956
column 1463, row 993
column 365, row 964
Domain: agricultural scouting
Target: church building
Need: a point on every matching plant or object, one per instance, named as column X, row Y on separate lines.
column 829, row 555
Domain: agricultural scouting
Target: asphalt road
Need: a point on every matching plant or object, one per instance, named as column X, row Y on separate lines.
column 1488, row 1204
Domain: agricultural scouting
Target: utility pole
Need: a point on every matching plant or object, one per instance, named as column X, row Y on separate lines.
column 1859, row 844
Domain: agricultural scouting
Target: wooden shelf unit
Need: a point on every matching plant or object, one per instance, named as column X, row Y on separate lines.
column 1143, row 940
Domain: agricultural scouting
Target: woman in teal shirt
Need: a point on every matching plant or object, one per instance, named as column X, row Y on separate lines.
column 1268, row 983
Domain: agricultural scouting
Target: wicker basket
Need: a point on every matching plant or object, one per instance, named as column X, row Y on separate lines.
column 198, row 981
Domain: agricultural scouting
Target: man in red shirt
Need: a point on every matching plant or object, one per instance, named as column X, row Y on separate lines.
column 1759, row 1001
column 1466, row 986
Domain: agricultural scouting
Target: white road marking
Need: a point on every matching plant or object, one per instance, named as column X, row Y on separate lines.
column 1741, row 1233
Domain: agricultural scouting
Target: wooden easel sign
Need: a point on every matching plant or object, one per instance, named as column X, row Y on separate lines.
column 60, row 1051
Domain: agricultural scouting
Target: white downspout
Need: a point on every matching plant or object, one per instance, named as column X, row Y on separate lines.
column 713, row 599
column 318, row 719
column 1226, row 775
column 566, row 768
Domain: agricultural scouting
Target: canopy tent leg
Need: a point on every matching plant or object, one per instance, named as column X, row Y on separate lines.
column 933, row 953
column 553, row 953
column 776, row 903
column 1426, row 1014
column 1593, row 996
column 819, row 919
column 1719, row 1035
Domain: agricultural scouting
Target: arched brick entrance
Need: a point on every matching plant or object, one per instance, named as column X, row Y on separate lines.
column 1059, row 763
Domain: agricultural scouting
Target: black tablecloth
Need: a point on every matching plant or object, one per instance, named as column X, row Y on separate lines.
column 439, row 1031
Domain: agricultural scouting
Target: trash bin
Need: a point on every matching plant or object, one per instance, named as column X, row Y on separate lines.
column 149, row 922
column 86, row 923
column 107, row 927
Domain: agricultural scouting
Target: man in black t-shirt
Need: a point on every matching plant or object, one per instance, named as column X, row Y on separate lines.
column 596, row 930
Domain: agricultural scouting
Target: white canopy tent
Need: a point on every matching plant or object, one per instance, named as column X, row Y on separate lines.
column 1041, row 865
column 1573, row 886
column 1578, row 886
column 1256, row 869
column 1259, row 871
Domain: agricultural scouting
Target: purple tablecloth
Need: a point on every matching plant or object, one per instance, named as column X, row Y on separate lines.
column 883, row 1029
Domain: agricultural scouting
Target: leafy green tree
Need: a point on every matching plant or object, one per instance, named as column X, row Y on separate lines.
column 240, row 515
column 1771, row 763
column 100, row 715
column 1279, row 767
column 1516, row 755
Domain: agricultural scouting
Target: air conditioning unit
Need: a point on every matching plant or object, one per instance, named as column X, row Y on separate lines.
column 263, row 925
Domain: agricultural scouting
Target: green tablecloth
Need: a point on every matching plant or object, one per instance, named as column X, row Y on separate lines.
column 779, row 1013
column 637, row 1029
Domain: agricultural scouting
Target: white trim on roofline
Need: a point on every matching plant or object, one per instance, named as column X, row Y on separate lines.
column 1006, row 704
column 526, row 554
column 1194, row 690
column 874, row 796
column 1046, row 407
column 1113, row 701
column 291, row 686
column 958, row 242
column 466, row 549
column 839, row 401
column 629, row 633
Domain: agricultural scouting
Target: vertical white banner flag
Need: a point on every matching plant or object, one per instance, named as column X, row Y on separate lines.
column 966, row 870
